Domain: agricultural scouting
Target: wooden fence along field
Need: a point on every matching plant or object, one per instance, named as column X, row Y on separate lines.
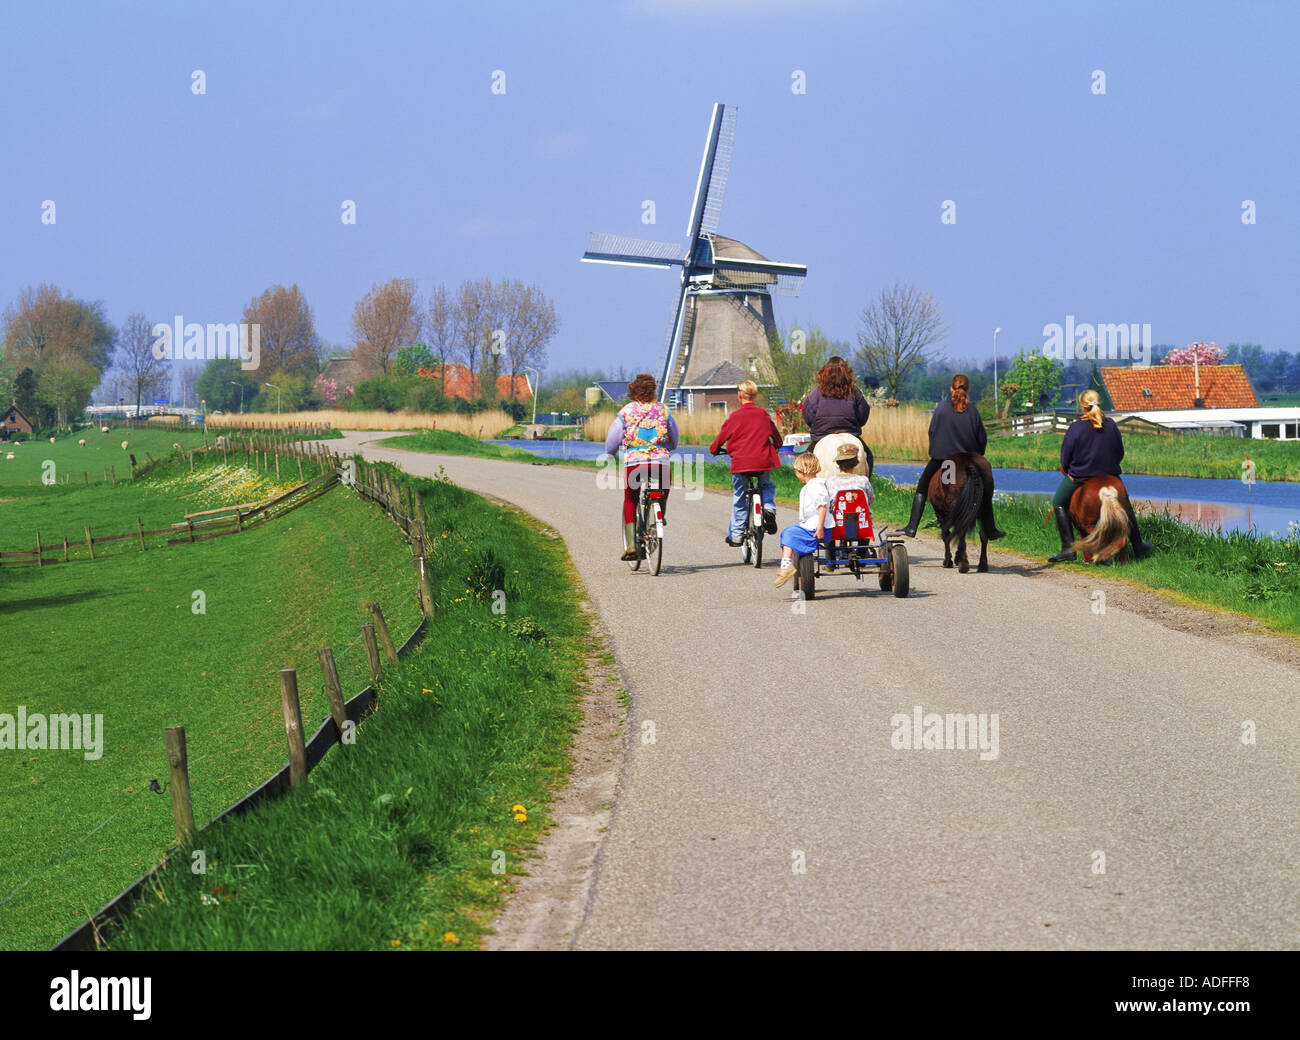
column 203, row 525
column 404, row 505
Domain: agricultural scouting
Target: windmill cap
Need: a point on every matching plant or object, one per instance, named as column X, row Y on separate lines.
column 845, row 452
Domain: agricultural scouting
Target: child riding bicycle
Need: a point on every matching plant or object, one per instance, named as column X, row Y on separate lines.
column 751, row 438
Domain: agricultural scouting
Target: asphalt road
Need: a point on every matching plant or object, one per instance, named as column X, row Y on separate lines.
column 772, row 811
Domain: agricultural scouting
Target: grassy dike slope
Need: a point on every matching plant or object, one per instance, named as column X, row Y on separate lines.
column 1242, row 573
column 120, row 637
column 406, row 839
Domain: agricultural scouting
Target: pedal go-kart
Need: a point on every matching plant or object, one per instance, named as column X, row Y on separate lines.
column 851, row 547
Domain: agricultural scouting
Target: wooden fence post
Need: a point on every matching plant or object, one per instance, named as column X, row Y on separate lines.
column 381, row 629
column 293, row 726
column 65, row 548
column 333, row 689
column 86, row 477
column 277, row 465
column 90, row 542
column 300, row 477
column 40, row 562
column 113, row 470
column 426, row 590
column 139, row 526
column 372, row 650
column 178, row 766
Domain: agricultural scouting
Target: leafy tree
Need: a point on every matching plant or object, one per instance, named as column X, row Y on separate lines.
column 1196, row 353
column 410, row 359
column 797, row 356
column 213, row 386
column 1034, row 380
column 64, row 389
column 383, row 320
column 288, row 340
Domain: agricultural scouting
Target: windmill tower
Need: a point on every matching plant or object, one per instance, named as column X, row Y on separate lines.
column 722, row 323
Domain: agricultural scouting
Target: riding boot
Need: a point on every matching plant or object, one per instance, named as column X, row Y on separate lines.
column 1141, row 549
column 918, row 507
column 629, row 542
column 987, row 526
column 1066, row 531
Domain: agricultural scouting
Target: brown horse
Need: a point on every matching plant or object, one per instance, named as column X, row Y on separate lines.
column 1099, row 510
column 957, row 491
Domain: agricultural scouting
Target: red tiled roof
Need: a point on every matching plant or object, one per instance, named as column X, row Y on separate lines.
column 458, row 382
column 1173, row 387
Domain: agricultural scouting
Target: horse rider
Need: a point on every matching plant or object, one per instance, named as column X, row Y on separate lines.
column 1092, row 448
column 955, row 427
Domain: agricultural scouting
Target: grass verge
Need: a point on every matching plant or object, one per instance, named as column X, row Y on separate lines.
column 410, row 835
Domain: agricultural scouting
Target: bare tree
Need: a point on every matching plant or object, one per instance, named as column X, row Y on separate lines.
column 440, row 323
column 386, row 318
column 144, row 373
column 895, row 335
column 530, row 323
column 475, row 317
column 288, row 332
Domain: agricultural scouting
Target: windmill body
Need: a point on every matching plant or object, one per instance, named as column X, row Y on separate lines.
column 722, row 323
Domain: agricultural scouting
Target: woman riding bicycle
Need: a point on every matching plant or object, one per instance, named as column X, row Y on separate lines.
column 646, row 433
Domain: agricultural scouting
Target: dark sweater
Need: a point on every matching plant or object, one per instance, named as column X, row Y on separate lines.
column 1089, row 452
column 826, row 415
column 953, row 432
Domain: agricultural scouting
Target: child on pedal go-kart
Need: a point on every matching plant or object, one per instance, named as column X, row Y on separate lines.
column 846, row 458
column 814, row 499
column 751, row 438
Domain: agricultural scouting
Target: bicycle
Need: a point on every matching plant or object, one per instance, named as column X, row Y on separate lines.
column 751, row 540
column 648, row 537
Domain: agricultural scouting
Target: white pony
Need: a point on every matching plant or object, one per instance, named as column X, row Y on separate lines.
column 825, row 453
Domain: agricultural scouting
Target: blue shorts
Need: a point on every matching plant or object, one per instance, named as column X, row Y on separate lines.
column 800, row 539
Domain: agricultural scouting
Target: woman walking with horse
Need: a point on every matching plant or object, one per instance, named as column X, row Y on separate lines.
column 1092, row 448
column 955, row 428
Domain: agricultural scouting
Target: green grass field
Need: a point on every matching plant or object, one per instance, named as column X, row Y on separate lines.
column 1178, row 456
column 1256, row 577
column 394, row 840
column 119, row 637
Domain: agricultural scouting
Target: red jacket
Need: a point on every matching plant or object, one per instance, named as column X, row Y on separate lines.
column 751, row 437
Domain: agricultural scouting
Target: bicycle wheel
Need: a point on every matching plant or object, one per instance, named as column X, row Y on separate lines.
column 746, row 548
column 654, row 545
column 758, row 546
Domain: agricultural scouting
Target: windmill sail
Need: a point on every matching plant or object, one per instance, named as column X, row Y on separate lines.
column 723, row 300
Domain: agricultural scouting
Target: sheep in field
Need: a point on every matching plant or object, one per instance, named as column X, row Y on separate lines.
column 103, row 429
column 81, row 444
column 124, row 444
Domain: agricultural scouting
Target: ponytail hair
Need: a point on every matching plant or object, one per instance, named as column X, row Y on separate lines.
column 959, row 392
column 1090, row 406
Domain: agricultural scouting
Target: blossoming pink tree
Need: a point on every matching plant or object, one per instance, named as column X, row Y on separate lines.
column 326, row 389
column 1197, row 353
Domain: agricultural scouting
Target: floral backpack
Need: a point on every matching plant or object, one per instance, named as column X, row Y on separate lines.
column 645, row 429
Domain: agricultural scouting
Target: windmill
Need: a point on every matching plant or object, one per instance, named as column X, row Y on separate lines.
column 722, row 323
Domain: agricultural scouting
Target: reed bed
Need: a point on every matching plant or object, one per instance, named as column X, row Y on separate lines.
column 481, row 425
column 892, row 433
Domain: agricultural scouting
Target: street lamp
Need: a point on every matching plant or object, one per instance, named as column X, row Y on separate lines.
column 233, row 382
column 995, row 372
column 277, row 396
column 535, row 389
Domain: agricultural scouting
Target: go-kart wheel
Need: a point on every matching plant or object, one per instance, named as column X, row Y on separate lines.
column 807, row 582
column 885, row 574
column 898, row 557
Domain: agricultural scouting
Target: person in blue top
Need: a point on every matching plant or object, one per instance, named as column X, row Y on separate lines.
column 1092, row 448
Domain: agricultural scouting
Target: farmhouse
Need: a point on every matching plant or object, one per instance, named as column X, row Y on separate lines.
column 1198, row 399
column 14, row 421
column 458, row 381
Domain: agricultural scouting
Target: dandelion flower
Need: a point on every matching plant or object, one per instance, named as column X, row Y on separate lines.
column 450, row 937
column 517, row 808
column 521, row 817
column 397, row 942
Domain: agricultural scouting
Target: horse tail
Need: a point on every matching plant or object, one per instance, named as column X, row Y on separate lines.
column 966, row 510
column 1107, row 537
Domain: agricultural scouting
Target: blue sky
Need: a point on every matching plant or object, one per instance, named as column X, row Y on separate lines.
column 1122, row 207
